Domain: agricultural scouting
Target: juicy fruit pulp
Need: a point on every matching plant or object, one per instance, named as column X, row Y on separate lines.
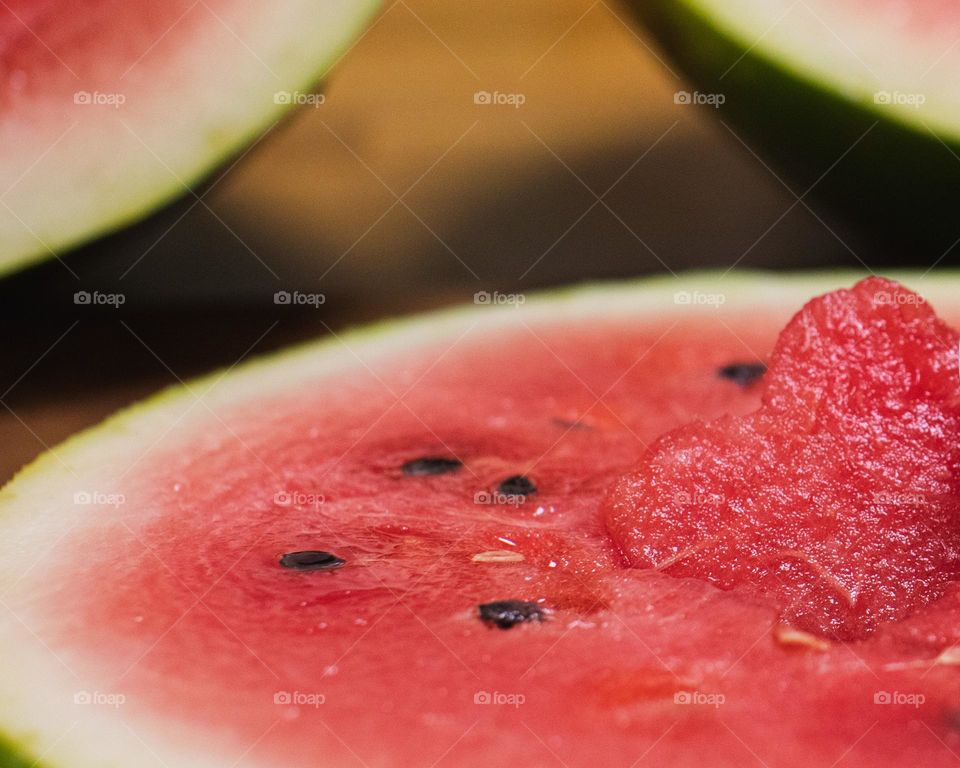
column 463, row 625
column 840, row 496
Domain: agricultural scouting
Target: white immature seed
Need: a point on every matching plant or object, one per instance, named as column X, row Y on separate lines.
column 786, row 635
column 498, row 556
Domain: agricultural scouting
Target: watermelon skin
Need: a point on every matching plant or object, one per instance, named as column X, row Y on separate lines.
column 111, row 109
column 900, row 185
column 629, row 664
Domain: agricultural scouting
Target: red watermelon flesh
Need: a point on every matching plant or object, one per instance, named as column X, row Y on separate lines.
column 169, row 590
column 840, row 495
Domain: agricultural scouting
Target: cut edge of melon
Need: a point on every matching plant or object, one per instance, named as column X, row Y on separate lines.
column 394, row 335
column 818, row 70
column 136, row 204
column 88, row 453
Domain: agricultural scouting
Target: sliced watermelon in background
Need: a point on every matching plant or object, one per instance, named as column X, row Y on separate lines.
column 110, row 108
column 858, row 101
column 160, row 610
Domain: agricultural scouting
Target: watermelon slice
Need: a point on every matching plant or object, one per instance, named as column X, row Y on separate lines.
column 110, row 108
column 418, row 544
column 858, row 101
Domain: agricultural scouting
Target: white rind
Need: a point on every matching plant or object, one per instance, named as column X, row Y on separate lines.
column 853, row 52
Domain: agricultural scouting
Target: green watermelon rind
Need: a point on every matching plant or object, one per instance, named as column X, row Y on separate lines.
column 139, row 206
column 696, row 32
column 92, row 451
column 900, row 180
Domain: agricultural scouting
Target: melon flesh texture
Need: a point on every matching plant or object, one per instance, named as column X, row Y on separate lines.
column 109, row 108
column 168, row 590
column 840, row 496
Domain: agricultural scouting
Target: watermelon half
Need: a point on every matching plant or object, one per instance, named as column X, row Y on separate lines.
column 110, row 108
column 858, row 101
column 420, row 544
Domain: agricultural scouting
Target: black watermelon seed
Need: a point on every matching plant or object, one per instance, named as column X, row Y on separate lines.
column 517, row 485
column 312, row 560
column 506, row 613
column 570, row 424
column 430, row 465
column 742, row 373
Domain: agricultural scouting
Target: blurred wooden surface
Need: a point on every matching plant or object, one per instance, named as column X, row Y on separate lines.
column 400, row 193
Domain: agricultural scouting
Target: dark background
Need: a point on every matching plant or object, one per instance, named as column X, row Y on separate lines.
column 500, row 198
